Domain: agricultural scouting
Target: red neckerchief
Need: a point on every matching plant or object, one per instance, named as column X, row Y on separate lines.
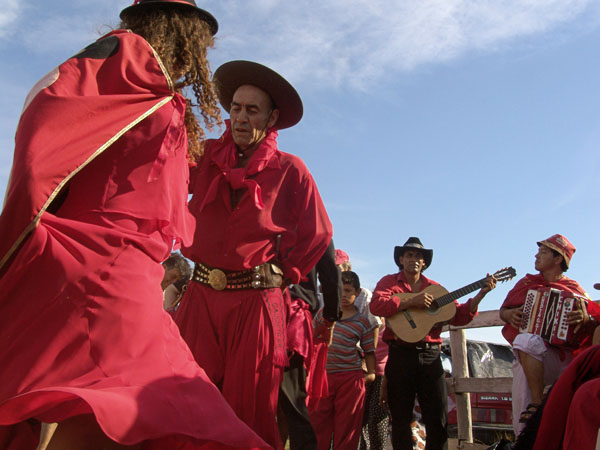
column 223, row 153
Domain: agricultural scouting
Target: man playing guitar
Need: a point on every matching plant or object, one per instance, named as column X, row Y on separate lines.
column 416, row 368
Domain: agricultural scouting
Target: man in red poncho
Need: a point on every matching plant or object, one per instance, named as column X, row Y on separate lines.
column 261, row 224
column 537, row 363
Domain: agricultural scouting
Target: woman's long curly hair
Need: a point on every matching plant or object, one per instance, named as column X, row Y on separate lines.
column 181, row 40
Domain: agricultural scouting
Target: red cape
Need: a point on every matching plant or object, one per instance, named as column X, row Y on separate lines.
column 552, row 428
column 70, row 117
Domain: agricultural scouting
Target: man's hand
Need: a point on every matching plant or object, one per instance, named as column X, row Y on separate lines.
column 490, row 283
column 324, row 332
column 422, row 300
column 579, row 315
column 369, row 377
column 513, row 316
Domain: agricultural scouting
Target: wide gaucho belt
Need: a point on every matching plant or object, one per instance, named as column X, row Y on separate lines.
column 265, row 276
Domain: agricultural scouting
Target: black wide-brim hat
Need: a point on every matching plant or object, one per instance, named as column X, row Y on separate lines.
column 143, row 5
column 233, row 74
column 413, row 243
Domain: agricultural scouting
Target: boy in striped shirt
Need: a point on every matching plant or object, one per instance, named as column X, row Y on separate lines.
column 339, row 415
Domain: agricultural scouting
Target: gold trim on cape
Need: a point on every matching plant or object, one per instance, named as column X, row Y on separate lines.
column 34, row 223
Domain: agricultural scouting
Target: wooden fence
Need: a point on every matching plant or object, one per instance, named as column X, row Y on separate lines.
column 461, row 384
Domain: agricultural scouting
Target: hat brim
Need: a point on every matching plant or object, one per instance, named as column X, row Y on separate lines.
column 231, row 75
column 427, row 254
column 213, row 25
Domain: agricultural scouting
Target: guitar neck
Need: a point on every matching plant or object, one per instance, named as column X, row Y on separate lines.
column 451, row 296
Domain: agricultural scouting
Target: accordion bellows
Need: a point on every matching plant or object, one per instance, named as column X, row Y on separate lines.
column 545, row 314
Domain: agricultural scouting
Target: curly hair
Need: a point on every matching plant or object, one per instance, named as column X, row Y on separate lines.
column 181, row 40
column 177, row 261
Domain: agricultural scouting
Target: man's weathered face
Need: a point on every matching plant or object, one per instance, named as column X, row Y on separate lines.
column 412, row 261
column 545, row 259
column 251, row 115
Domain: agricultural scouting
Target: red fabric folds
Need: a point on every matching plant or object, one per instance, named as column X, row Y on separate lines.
column 81, row 318
column 48, row 149
column 551, row 432
column 299, row 330
column 316, row 382
column 281, row 200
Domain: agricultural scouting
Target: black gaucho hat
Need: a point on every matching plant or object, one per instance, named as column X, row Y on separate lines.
column 144, row 5
column 234, row 74
column 413, row 243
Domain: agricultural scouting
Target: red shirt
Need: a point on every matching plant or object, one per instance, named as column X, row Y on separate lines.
column 516, row 296
column 384, row 305
column 280, row 198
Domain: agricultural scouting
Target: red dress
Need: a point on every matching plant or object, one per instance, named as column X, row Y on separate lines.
column 81, row 319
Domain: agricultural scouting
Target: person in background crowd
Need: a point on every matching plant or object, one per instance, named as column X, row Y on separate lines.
column 415, row 369
column 339, row 415
column 538, row 364
column 97, row 197
column 260, row 225
column 376, row 418
column 342, row 260
column 295, row 420
column 176, row 267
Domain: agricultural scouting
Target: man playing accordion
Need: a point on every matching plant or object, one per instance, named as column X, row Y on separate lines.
column 537, row 362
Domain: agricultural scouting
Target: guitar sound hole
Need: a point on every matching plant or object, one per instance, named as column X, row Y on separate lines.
column 433, row 307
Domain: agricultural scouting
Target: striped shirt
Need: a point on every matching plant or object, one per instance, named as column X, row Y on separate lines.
column 342, row 354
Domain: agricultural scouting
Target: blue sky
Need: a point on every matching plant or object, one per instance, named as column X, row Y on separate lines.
column 471, row 124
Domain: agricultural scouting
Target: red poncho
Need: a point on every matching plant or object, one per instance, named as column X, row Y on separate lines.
column 516, row 298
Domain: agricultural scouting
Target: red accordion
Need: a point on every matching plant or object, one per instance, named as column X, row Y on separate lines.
column 545, row 314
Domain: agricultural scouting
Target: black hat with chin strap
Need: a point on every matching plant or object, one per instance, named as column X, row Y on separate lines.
column 144, row 5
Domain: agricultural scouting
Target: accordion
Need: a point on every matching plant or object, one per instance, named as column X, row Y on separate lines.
column 545, row 314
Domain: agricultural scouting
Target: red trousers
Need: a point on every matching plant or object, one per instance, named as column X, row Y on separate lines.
column 238, row 338
column 340, row 414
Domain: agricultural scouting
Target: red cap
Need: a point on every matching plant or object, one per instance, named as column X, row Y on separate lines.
column 341, row 257
column 560, row 244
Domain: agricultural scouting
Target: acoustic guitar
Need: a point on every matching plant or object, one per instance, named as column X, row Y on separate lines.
column 413, row 324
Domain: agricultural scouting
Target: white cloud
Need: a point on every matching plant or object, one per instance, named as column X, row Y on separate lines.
column 61, row 30
column 359, row 41
column 8, row 16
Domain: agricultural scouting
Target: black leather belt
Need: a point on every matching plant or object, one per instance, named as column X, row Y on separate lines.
column 265, row 276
